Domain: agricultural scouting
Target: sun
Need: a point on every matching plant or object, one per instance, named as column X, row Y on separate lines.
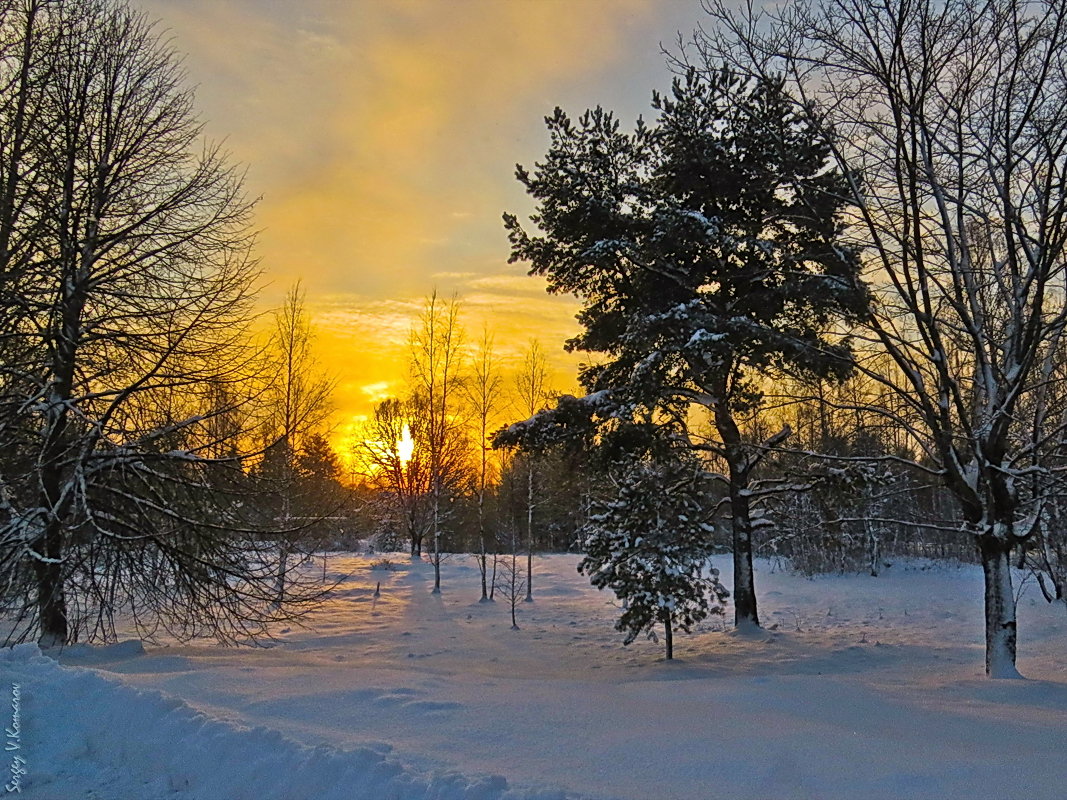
column 405, row 447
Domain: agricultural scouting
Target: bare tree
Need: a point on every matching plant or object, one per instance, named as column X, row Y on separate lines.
column 484, row 393
column 951, row 126
column 25, row 71
column 510, row 582
column 1045, row 553
column 127, row 272
column 299, row 392
column 531, row 388
column 393, row 456
column 436, row 364
column 298, row 405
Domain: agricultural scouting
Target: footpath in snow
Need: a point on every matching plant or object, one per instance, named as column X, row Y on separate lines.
column 859, row 688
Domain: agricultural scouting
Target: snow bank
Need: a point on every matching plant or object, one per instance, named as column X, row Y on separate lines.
column 87, row 736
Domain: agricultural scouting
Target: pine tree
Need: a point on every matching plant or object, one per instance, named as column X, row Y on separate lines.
column 649, row 545
column 705, row 251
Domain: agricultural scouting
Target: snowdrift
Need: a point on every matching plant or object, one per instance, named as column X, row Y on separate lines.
column 99, row 738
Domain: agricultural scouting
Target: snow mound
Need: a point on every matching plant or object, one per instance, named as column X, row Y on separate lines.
column 110, row 740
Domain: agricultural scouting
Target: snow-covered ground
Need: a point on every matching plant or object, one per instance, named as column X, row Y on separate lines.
column 859, row 688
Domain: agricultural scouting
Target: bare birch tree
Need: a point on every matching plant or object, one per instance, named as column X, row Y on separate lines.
column 531, row 388
column 392, row 452
column 484, row 394
column 436, row 367
column 510, row 581
column 298, row 405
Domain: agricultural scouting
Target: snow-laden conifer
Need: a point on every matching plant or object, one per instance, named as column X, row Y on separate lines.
column 648, row 543
column 705, row 249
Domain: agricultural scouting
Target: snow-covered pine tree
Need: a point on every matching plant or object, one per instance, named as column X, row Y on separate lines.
column 649, row 545
column 705, row 248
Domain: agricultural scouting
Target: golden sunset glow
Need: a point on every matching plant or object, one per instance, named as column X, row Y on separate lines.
column 382, row 137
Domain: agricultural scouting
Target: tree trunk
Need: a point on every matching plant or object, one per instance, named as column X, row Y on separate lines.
column 436, row 542
column 745, row 614
column 279, row 580
column 529, row 528
column 51, row 595
column 415, row 533
column 482, row 561
column 1000, row 626
column 283, row 546
column 874, row 548
column 745, row 611
column 1054, row 562
column 668, row 636
column 48, row 568
column 51, row 598
column 513, row 593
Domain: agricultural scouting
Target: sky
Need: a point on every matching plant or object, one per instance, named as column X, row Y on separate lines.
column 381, row 138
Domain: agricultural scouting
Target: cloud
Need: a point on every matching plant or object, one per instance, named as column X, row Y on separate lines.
column 382, row 136
column 366, row 125
column 376, row 392
column 427, row 121
column 509, row 284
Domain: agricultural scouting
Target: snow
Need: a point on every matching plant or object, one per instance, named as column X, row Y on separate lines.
column 702, row 337
column 858, row 687
column 140, row 745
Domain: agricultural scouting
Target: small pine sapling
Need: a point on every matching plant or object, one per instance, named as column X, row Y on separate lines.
column 649, row 545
